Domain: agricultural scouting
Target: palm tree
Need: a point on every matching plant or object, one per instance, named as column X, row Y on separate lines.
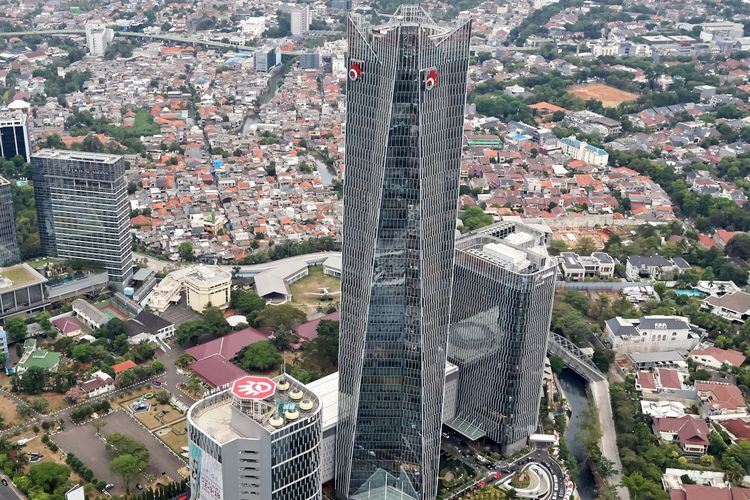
column 98, row 424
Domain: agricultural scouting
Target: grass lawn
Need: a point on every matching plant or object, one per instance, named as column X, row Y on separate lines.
column 43, row 262
column 521, row 480
column 153, row 418
column 175, row 436
column 17, row 275
column 313, row 283
column 130, row 396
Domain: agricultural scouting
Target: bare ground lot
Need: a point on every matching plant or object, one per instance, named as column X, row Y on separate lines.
column 83, row 442
column 610, row 97
column 8, row 411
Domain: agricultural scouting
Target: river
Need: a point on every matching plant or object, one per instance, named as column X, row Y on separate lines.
column 575, row 392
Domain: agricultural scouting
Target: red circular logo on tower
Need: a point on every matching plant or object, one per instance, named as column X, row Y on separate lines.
column 253, row 387
column 431, row 79
column 355, row 71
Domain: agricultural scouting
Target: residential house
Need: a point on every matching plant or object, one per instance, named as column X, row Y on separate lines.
column 574, row 267
column 68, row 326
column 654, row 268
column 713, row 357
column 733, row 306
column 650, row 334
column 148, row 327
column 33, row 357
column 721, row 400
column 689, row 432
column 99, row 383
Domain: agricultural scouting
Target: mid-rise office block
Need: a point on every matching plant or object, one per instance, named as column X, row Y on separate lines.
column 98, row 38
column 258, row 439
column 404, row 130
column 83, row 210
column 9, row 251
column 503, row 288
column 14, row 135
column 266, row 59
column 309, row 60
column 300, row 21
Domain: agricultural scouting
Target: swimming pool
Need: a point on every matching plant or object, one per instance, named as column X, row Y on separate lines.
column 689, row 293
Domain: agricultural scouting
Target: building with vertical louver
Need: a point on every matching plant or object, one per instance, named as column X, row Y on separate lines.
column 405, row 104
column 83, row 210
column 503, row 288
column 9, row 252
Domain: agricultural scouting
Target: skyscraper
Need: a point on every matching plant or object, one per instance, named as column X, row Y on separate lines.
column 14, row 135
column 405, row 106
column 9, row 252
column 83, row 210
column 503, row 289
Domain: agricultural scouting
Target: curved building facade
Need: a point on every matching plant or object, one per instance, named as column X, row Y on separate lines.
column 259, row 439
column 405, row 106
column 503, row 289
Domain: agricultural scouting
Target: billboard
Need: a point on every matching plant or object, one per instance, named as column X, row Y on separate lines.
column 206, row 474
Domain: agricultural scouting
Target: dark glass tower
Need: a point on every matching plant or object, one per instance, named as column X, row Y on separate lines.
column 405, row 107
column 503, row 289
column 9, row 252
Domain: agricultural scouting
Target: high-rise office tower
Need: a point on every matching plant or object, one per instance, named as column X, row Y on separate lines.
column 405, row 107
column 14, row 135
column 98, row 38
column 83, row 210
column 9, row 252
column 300, row 21
column 258, row 439
column 503, row 287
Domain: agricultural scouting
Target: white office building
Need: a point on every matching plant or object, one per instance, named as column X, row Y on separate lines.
column 98, row 38
column 650, row 334
column 257, row 439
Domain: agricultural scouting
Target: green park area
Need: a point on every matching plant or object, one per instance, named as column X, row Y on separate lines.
column 306, row 293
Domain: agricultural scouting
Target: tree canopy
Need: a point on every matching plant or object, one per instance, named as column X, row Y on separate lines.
column 260, row 356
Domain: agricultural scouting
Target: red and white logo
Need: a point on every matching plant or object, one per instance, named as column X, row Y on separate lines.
column 253, row 387
column 355, row 71
column 431, row 79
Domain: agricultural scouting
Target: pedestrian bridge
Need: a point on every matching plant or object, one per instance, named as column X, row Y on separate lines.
column 574, row 358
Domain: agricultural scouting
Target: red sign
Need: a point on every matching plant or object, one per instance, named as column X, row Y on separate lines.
column 253, row 387
column 355, row 71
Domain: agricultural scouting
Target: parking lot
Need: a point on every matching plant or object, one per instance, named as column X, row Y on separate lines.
column 179, row 313
column 83, row 442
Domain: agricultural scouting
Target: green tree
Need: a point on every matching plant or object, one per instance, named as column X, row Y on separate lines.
column 184, row 360
column 16, row 328
column 260, row 356
column 128, row 467
column 556, row 247
column 473, row 217
column 247, row 303
column 33, row 380
column 643, row 489
column 282, row 316
column 185, row 251
column 82, row 352
column 214, row 317
column 739, row 246
column 49, row 475
column 120, row 444
column 585, row 246
column 556, row 363
column 98, row 424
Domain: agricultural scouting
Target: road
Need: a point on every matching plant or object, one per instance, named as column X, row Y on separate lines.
column 608, row 442
column 9, row 492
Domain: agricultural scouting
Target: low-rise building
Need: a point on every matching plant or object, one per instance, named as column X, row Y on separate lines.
column 68, row 326
column 148, row 327
column 654, row 268
column 721, row 400
column 33, row 357
column 580, row 150
column 99, row 383
column 713, row 357
column 574, row 267
column 89, row 314
column 688, row 432
column 203, row 285
column 22, row 290
column 650, row 334
column 733, row 306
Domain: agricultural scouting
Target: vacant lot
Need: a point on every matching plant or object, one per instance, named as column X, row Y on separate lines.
column 313, row 284
column 175, row 436
column 610, row 97
column 86, row 445
column 8, row 411
column 55, row 400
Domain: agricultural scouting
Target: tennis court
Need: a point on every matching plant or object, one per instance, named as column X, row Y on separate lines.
column 112, row 311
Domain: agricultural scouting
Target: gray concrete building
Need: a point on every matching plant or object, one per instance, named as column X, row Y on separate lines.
column 256, row 439
column 83, row 209
column 405, row 104
column 503, row 288
column 9, row 251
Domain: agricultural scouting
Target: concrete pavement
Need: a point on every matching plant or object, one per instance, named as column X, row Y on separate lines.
column 608, row 442
column 9, row 492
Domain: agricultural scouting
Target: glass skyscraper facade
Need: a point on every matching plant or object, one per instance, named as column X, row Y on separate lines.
column 83, row 210
column 503, row 290
column 9, row 252
column 14, row 135
column 405, row 104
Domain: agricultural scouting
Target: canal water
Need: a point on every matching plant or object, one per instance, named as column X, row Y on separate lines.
column 575, row 392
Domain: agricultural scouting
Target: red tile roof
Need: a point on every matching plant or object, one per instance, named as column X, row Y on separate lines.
column 689, row 429
column 669, row 378
column 309, row 330
column 227, row 346
column 728, row 356
column 737, row 427
column 724, row 396
column 217, row 371
column 124, row 366
column 646, row 380
column 67, row 325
